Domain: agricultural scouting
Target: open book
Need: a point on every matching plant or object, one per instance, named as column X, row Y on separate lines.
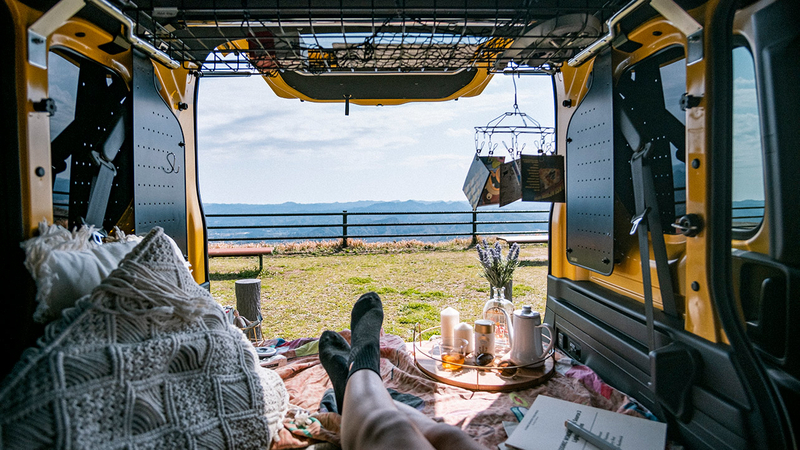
column 543, row 428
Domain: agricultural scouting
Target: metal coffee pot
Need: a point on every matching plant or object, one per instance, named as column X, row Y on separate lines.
column 526, row 347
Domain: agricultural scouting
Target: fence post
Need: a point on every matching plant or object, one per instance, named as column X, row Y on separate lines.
column 474, row 227
column 344, row 229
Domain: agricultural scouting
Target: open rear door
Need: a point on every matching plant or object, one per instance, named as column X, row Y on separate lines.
column 693, row 318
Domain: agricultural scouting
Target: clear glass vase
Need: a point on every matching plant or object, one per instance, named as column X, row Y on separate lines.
column 500, row 311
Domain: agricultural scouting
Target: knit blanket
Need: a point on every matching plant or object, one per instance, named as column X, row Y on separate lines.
column 146, row 361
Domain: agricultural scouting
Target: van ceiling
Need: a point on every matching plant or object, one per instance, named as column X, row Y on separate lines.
column 368, row 36
column 292, row 42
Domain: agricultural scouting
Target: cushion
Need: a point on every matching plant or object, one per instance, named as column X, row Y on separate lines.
column 146, row 361
column 68, row 265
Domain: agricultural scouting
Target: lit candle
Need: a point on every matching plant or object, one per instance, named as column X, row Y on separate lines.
column 449, row 322
column 465, row 331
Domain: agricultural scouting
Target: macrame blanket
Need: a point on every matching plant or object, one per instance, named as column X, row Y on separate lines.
column 146, row 361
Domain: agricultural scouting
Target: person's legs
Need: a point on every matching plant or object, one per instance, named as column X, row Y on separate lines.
column 370, row 418
column 334, row 353
column 340, row 359
column 441, row 435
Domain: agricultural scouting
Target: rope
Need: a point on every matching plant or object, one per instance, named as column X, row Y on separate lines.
column 133, row 290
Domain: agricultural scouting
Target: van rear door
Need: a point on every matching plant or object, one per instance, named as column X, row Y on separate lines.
column 714, row 356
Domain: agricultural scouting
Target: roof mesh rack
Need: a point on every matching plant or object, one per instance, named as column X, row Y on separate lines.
column 229, row 38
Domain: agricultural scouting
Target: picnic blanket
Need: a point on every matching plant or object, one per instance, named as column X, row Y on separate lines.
column 479, row 414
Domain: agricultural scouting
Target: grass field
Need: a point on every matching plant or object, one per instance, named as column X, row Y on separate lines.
column 303, row 294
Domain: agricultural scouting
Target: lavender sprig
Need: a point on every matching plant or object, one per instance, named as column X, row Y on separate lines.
column 496, row 268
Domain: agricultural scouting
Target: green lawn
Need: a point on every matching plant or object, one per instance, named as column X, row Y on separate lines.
column 302, row 295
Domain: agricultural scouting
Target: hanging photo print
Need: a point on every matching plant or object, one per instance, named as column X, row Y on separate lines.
column 542, row 178
column 482, row 186
column 530, row 178
column 510, row 186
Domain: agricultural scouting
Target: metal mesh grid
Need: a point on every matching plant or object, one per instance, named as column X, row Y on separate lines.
column 235, row 39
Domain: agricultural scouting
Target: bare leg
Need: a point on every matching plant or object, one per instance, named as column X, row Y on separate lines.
column 441, row 435
column 370, row 419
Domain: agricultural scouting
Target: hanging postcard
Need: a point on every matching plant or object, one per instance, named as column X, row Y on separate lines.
column 491, row 190
column 542, row 178
column 510, row 185
column 482, row 186
column 476, row 181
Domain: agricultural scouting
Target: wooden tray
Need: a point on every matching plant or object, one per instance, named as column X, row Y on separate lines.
column 478, row 378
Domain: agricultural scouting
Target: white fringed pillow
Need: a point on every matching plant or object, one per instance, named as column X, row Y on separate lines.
column 67, row 265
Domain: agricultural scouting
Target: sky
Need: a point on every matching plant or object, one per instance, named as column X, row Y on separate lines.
column 748, row 178
column 254, row 147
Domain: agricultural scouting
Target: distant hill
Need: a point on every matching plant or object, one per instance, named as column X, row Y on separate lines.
column 329, row 225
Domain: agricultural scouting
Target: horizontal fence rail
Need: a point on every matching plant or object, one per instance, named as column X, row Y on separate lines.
column 240, row 227
column 244, row 227
column 741, row 213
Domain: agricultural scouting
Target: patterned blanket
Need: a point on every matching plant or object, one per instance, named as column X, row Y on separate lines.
column 479, row 414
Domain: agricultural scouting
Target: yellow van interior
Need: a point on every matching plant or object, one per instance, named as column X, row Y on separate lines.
column 674, row 267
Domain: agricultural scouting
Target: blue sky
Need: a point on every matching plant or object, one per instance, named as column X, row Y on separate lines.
column 747, row 158
column 255, row 147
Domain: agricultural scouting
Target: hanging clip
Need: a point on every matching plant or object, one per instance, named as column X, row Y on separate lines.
column 347, row 98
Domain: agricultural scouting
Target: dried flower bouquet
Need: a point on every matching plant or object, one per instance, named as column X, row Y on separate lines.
column 498, row 269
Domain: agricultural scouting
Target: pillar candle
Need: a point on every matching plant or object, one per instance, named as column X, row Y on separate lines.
column 465, row 331
column 449, row 322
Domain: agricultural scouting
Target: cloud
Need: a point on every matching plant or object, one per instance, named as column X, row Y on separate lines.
column 745, row 96
column 450, row 159
column 252, row 142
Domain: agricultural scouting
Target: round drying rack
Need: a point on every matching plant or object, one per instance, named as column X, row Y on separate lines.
column 507, row 377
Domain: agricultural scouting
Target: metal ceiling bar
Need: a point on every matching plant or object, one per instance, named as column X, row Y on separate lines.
column 365, row 11
column 683, row 21
column 606, row 40
column 671, row 11
column 45, row 25
column 128, row 26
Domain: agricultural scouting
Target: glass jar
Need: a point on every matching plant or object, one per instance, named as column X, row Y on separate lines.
column 500, row 310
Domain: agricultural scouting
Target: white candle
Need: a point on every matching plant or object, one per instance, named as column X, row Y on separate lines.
column 449, row 322
column 465, row 331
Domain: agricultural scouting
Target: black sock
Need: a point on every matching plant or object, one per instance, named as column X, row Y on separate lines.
column 366, row 321
column 334, row 352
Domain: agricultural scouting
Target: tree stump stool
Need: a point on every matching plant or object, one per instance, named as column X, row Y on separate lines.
column 248, row 302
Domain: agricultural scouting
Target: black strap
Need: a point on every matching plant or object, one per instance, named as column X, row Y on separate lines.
column 101, row 186
column 646, row 204
column 641, row 224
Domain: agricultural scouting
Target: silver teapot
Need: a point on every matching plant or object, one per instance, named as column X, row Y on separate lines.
column 526, row 346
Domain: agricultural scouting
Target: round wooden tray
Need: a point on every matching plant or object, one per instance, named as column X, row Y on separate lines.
column 480, row 378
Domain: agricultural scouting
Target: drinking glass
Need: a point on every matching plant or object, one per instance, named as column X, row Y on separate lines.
column 453, row 353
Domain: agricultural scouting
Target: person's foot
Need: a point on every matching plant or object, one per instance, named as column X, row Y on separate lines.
column 366, row 321
column 334, row 352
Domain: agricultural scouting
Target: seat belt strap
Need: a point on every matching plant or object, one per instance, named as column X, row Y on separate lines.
column 101, row 191
column 101, row 186
column 645, row 199
column 644, row 185
column 641, row 226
